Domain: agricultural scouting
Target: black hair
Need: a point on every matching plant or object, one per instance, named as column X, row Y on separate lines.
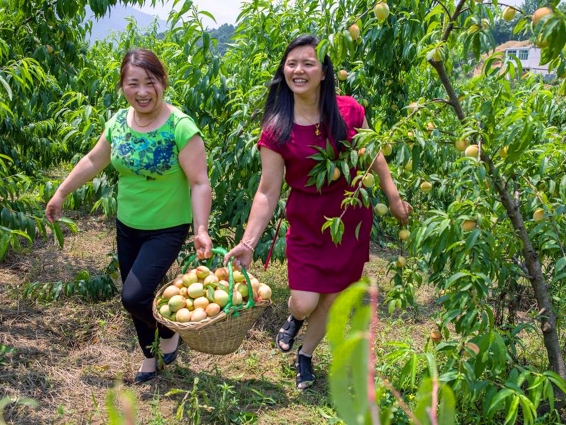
column 279, row 107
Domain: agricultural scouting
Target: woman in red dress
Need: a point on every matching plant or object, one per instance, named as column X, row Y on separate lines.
column 303, row 110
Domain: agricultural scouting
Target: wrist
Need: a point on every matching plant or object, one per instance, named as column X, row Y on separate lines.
column 394, row 197
column 201, row 230
column 247, row 245
column 61, row 193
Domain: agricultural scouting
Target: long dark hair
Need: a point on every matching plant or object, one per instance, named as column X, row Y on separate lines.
column 279, row 107
column 146, row 60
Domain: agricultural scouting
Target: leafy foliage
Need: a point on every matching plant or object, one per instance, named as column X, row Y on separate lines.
column 4, row 351
column 6, row 401
column 352, row 371
column 56, row 93
column 88, row 288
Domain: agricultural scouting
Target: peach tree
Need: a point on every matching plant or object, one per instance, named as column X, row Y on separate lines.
column 42, row 51
column 57, row 91
column 474, row 143
column 490, row 227
column 432, row 86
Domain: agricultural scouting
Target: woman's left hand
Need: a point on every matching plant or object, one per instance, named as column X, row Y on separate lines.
column 243, row 256
column 203, row 246
column 401, row 210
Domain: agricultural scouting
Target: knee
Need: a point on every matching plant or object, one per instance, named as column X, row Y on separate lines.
column 133, row 302
column 321, row 308
column 301, row 307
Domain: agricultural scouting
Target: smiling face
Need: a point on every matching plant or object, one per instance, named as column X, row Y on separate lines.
column 143, row 91
column 303, row 71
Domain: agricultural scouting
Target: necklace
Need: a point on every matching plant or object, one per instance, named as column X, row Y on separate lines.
column 149, row 123
column 316, row 126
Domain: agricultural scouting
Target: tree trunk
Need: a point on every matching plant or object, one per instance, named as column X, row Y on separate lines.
column 546, row 314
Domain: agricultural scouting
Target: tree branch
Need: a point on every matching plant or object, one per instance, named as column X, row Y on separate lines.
column 453, row 18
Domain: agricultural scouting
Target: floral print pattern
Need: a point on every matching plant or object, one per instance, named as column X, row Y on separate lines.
column 150, row 154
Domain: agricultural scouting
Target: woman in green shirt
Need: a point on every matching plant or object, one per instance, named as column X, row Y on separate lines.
column 163, row 185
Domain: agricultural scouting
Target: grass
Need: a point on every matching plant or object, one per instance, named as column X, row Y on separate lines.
column 73, row 357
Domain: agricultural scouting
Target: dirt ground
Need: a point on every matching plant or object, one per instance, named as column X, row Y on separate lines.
column 70, row 355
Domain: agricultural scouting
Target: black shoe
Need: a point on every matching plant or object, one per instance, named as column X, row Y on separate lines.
column 288, row 332
column 170, row 357
column 305, row 377
column 142, row 377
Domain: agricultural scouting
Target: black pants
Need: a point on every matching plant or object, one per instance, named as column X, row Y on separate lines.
column 145, row 256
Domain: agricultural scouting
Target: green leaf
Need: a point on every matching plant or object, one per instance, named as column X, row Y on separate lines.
column 326, row 224
column 320, row 181
column 497, row 401
column 317, row 157
column 560, row 265
column 471, row 239
column 556, row 380
column 529, row 411
column 360, row 357
column 353, row 157
column 330, row 150
column 345, row 171
column 357, row 233
column 432, row 369
column 6, row 217
column 341, row 309
column 512, row 410
column 71, row 225
column 58, row 234
column 365, row 197
column 409, row 370
column 424, row 401
column 4, row 243
column 455, row 277
column 447, row 406
column 6, row 87
column 337, row 230
column 340, row 381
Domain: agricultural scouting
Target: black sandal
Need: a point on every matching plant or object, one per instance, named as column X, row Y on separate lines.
column 287, row 333
column 305, row 376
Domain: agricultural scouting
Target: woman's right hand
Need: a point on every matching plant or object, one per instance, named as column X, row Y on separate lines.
column 203, row 245
column 401, row 210
column 54, row 207
column 243, row 256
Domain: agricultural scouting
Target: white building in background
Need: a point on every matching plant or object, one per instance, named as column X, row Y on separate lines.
column 530, row 59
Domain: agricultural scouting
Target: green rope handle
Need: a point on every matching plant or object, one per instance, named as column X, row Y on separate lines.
column 228, row 308
column 188, row 263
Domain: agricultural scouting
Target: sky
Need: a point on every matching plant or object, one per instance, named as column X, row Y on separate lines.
column 224, row 11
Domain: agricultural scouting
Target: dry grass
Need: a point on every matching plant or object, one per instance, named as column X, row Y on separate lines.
column 69, row 355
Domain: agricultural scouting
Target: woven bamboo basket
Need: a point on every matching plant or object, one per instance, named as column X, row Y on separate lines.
column 223, row 333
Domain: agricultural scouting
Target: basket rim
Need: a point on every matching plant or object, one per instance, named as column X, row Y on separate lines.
column 183, row 326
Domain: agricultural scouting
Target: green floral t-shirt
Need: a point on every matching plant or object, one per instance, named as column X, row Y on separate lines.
column 153, row 191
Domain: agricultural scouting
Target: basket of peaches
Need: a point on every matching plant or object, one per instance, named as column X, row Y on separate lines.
column 212, row 309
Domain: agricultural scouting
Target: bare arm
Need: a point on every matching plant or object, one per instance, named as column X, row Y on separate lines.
column 264, row 204
column 193, row 161
column 266, row 197
column 86, row 169
column 399, row 208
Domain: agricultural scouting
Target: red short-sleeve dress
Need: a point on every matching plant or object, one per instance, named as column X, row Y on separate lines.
column 314, row 262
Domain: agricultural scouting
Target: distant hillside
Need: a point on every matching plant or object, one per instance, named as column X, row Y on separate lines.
column 223, row 35
column 117, row 21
